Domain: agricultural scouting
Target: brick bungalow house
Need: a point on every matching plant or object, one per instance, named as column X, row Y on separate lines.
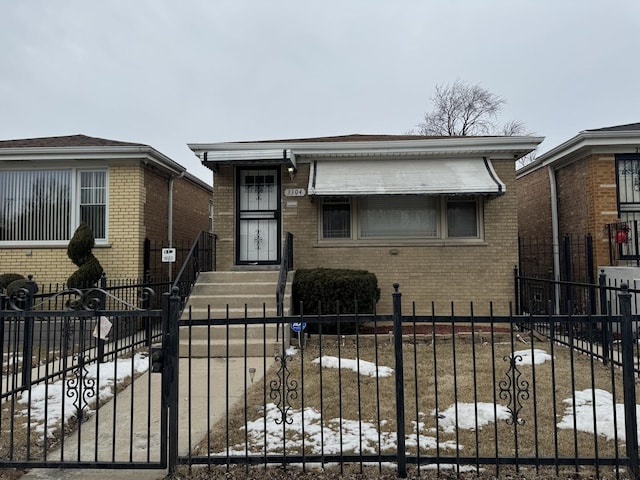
column 584, row 186
column 125, row 191
column 436, row 214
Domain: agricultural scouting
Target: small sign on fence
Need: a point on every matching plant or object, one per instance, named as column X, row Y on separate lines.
column 168, row 255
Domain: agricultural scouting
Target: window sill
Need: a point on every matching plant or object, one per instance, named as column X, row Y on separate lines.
column 43, row 245
column 467, row 242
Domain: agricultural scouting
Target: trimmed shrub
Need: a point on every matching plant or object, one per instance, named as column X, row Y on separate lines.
column 79, row 251
column 334, row 291
column 7, row 278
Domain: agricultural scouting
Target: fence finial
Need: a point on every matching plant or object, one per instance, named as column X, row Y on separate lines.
column 396, row 286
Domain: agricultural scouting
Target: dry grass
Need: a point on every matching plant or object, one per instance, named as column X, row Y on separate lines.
column 473, row 375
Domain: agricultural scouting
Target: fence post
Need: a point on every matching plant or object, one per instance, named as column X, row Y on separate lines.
column 170, row 374
column 590, row 273
column 28, row 334
column 605, row 326
column 568, row 272
column 628, row 380
column 397, row 335
column 103, row 306
column 516, row 283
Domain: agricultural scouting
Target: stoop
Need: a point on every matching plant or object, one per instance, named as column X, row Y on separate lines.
column 237, row 292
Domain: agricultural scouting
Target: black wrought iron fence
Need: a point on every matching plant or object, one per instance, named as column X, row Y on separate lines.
column 450, row 393
column 205, row 256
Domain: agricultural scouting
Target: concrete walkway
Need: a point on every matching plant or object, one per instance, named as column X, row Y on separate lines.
column 131, row 441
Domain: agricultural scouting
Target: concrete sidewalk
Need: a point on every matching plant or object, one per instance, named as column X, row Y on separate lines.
column 131, row 441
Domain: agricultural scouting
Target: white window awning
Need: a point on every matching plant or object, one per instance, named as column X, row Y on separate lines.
column 469, row 176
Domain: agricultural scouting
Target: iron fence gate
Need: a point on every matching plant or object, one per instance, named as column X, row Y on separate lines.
column 76, row 387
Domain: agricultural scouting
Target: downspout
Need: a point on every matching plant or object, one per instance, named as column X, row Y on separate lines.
column 555, row 235
column 170, row 219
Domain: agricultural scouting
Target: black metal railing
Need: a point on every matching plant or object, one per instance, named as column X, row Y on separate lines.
column 624, row 244
column 63, row 368
column 469, row 397
column 200, row 258
column 286, row 265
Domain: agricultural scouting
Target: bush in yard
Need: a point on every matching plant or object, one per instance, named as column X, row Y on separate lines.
column 79, row 251
column 329, row 291
column 8, row 278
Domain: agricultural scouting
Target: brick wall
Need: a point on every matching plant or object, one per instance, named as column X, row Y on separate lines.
column 534, row 205
column 223, row 216
column 601, row 185
column 190, row 210
column 586, row 191
column 440, row 273
column 121, row 258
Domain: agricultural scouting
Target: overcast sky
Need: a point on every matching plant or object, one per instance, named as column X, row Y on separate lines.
column 167, row 73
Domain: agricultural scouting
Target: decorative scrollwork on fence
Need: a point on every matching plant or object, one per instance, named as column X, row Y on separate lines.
column 81, row 388
column 514, row 389
column 283, row 390
column 18, row 299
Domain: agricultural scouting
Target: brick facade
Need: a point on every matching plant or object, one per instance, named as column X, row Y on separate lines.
column 438, row 273
column 138, row 208
column 586, row 202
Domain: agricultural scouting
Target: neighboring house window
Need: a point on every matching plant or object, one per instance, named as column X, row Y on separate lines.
column 401, row 217
column 48, row 205
column 628, row 179
column 93, row 201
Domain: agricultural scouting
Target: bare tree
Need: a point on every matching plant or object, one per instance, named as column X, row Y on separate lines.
column 462, row 109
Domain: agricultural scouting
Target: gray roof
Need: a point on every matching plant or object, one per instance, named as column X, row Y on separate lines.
column 617, row 128
column 65, row 141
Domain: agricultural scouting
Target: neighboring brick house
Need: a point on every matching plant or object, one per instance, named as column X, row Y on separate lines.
column 122, row 190
column 580, row 187
column 436, row 214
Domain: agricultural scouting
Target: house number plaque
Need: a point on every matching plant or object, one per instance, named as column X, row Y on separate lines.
column 295, row 192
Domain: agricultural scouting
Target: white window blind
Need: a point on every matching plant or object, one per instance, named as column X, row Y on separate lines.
column 399, row 216
column 43, row 205
column 35, row 205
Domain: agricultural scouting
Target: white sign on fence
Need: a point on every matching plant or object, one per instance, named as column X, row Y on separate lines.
column 168, row 255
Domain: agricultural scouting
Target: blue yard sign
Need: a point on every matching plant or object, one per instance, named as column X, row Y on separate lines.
column 298, row 326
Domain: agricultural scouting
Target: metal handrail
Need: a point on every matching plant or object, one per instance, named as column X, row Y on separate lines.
column 286, row 265
column 193, row 260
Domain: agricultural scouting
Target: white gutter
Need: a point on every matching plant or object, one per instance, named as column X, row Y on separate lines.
column 47, row 154
column 510, row 145
column 555, row 235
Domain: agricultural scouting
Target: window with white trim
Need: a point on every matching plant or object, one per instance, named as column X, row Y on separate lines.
column 401, row 217
column 46, row 206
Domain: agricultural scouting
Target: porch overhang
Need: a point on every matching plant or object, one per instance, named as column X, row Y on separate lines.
column 279, row 156
column 407, row 176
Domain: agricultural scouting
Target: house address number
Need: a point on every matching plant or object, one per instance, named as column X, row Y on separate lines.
column 295, row 192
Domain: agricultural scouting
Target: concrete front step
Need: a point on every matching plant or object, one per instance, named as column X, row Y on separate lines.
column 235, row 332
column 235, row 288
column 239, row 276
column 235, row 348
column 221, row 313
column 234, row 301
column 234, row 295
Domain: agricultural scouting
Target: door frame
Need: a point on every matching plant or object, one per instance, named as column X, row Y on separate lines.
column 277, row 215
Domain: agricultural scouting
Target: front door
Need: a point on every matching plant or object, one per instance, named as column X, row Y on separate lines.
column 258, row 216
